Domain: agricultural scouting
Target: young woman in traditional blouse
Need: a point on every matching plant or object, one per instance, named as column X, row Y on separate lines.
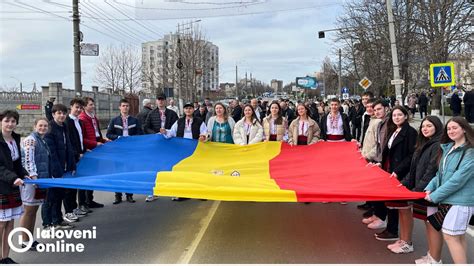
column 220, row 126
column 248, row 130
column 275, row 126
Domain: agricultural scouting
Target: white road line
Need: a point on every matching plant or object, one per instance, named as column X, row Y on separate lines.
column 470, row 231
column 189, row 251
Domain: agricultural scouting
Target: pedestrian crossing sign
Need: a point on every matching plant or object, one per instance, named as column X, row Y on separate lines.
column 442, row 75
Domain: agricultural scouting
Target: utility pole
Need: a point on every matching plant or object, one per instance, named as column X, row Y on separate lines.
column 340, row 73
column 246, row 90
column 251, row 87
column 236, row 82
column 396, row 71
column 77, row 48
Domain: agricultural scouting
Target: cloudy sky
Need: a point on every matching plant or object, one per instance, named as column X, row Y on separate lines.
column 270, row 38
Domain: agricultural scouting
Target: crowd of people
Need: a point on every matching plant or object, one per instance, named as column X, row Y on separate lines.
column 436, row 158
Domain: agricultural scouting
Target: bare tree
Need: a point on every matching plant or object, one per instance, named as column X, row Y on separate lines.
column 427, row 31
column 119, row 69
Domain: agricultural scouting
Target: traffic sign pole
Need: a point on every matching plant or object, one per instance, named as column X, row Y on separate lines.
column 396, row 71
column 442, row 105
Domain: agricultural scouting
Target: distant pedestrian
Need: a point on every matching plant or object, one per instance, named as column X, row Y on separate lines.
column 423, row 104
column 173, row 107
column 456, row 104
column 144, row 112
column 469, row 105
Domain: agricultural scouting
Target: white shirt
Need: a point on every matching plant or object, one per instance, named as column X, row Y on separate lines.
column 303, row 128
column 188, row 134
column 392, row 138
column 339, row 130
column 78, row 127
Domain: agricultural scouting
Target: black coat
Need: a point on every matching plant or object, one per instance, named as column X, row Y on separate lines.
column 401, row 152
column 469, row 98
column 62, row 153
column 424, row 166
column 237, row 113
column 75, row 138
column 289, row 114
column 355, row 115
column 423, row 100
column 142, row 116
column 345, row 126
column 9, row 170
column 153, row 121
column 198, row 114
column 115, row 128
column 455, row 103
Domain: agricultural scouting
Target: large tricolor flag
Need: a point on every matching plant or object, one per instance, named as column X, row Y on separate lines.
column 267, row 171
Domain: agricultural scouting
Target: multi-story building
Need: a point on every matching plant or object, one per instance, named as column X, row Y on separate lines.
column 190, row 67
column 277, row 85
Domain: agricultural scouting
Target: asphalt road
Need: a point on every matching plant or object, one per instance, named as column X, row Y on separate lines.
column 197, row 231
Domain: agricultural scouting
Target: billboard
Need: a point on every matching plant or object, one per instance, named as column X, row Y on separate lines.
column 307, row 82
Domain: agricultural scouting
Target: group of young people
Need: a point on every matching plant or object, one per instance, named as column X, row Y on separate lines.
column 436, row 159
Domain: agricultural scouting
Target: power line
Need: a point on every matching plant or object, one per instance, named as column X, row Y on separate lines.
column 113, row 27
column 195, row 9
column 134, row 20
column 58, row 4
column 225, row 15
column 65, row 18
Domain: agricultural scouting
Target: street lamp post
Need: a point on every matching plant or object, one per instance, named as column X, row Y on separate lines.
column 21, row 84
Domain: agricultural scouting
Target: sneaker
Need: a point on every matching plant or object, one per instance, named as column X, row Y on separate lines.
column 427, row 259
column 396, row 243
column 377, row 223
column 33, row 246
column 150, row 198
column 7, row 261
column 343, row 202
column 386, row 236
column 84, row 208
column 94, row 204
column 130, row 199
column 70, row 217
column 364, row 206
column 403, row 247
column 369, row 220
column 63, row 225
column 179, row 199
column 79, row 213
column 117, row 200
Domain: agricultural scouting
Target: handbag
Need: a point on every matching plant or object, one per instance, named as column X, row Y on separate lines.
column 436, row 220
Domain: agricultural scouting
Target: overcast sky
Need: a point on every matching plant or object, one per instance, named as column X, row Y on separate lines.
column 270, row 38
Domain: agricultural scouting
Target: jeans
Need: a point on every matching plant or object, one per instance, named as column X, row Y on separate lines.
column 51, row 209
column 70, row 200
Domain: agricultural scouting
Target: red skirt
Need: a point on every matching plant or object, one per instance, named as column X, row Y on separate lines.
column 10, row 201
column 302, row 140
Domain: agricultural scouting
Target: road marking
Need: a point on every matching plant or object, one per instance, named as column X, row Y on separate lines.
column 189, row 251
column 470, row 231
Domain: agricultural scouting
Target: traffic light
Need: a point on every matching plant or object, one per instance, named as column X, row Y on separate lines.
column 321, row 34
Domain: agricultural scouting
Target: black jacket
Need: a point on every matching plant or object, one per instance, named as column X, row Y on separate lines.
column 198, row 114
column 237, row 113
column 9, row 170
column 424, row 166
column 115, row 128
column 423, row 100
column 468, row 98
column 355, row 115
column 401, row 152
column 365, row 126
column 75, row 138
column 153, row 121
column 455, row 103
column 345, row 126
column 289, row 114
column 62, row 153
column 142, row 116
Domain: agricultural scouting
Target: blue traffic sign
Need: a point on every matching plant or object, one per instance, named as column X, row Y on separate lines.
column 345, row 90
column 442, row 75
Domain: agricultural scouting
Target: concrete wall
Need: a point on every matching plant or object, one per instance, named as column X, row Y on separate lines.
column 106, row 104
